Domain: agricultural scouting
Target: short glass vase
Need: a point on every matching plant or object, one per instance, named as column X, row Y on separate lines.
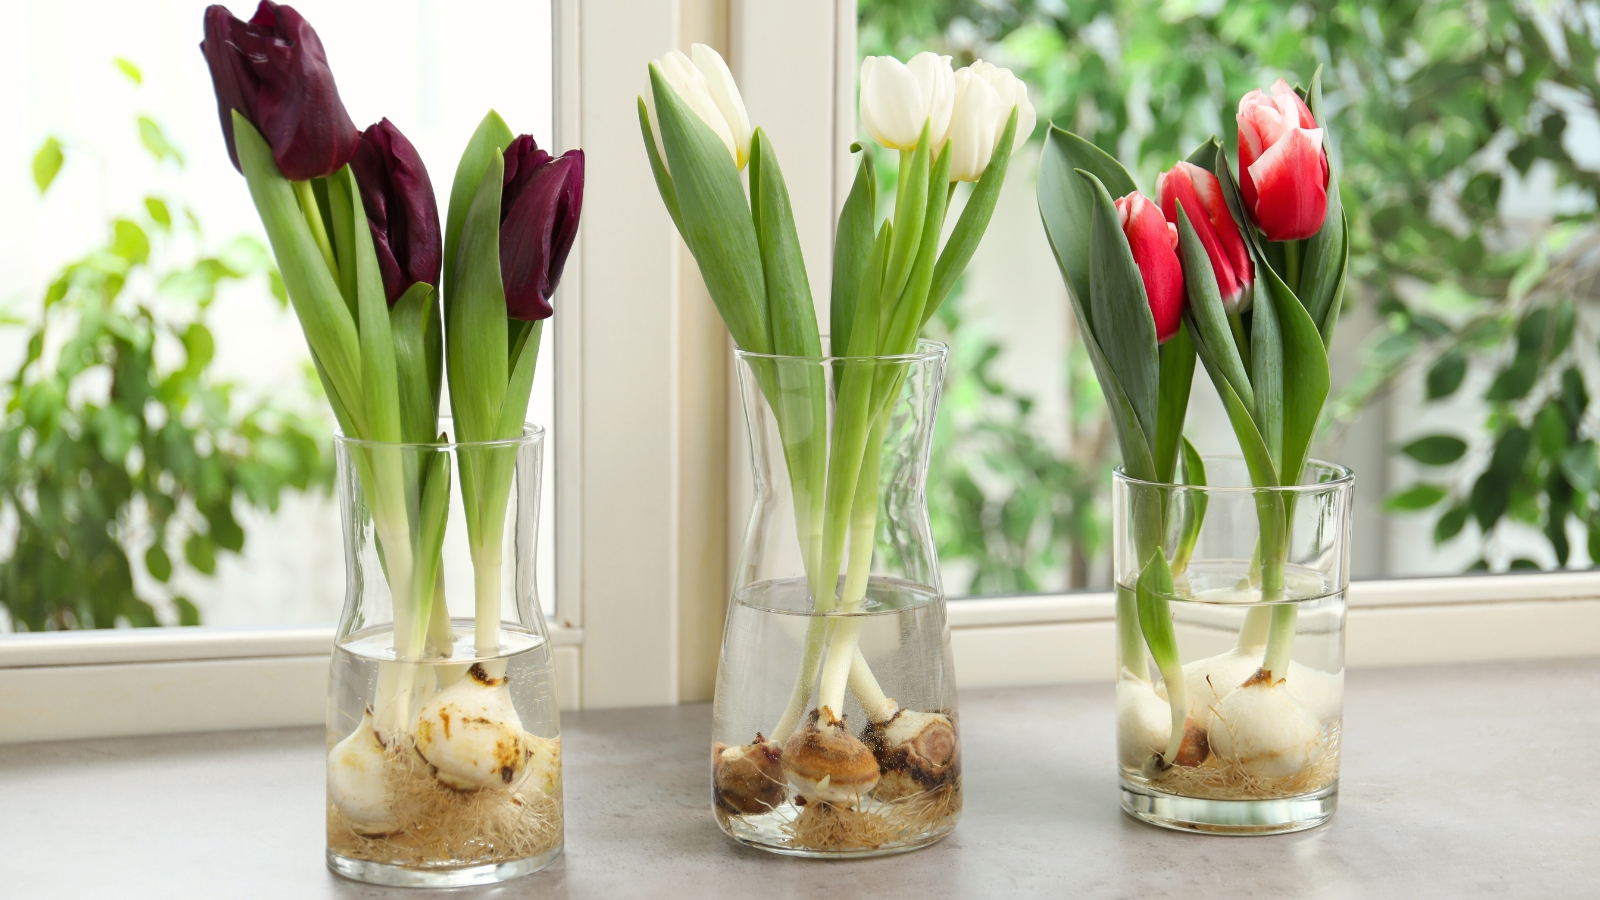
column 1251, row 584
column 835, row 729
column 443, row 736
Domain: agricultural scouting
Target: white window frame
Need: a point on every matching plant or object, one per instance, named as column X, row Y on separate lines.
column 653, row 490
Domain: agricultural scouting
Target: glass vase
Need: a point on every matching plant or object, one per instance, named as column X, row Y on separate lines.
column 835, row 730
column 444, row 743
column 1230, row 624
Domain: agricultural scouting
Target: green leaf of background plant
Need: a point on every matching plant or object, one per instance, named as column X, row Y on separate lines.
column 128, row 69
column 200, row 554
column 158, row 563
column 155, row 140
column 1447, row 373
column 1451, row 523
column 47, row 163
column 1436, row 449
column 188, row 613
column 1414, row 498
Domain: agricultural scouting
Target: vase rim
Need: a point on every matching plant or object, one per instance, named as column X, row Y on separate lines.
column 531, row 434
column 1343, row 478
column 927, row 349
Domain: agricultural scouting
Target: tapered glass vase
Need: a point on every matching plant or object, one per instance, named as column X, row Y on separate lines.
column 836, row 732
column 1230, row 623
column 444, row 742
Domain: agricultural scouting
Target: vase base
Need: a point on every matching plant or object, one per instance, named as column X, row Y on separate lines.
column 443, row 877
column 1230, row 817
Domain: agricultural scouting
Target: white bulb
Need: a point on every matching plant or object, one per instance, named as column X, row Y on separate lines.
column 1212, row 679
column 1144, row 721
column 1322, row 693
column 542, row 771
column 356, row 780
column 1266, row 732
column 470, row 733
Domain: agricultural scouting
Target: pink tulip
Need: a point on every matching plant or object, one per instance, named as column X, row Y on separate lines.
column 1282, row 167
column 1200, row 194
column 1154, row 243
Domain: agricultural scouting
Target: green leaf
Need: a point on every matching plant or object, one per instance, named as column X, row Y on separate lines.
column 973, row 221
column 910, row 207
column 329, row 328
column 1204, row 315
column 852, row 248
column 1414, row 498
column 46, row 163
column 158, row 563
column 1194, row 506
column 157, row 208
column 222, row 528
column 127, row 68
column 1447, row 373
column 475, row 330
column 188, row 613
column 1067, row 204
column 519, row 386
column 1327, row 253
column 1450, row 524
column 129, row 241
column 1268, row 361
column 380, row 388
column 200, row 554
column 1155, row 621
column 790, row 311
column 491, row 137
column 1123, row 325
column 1436, row 449
column 155, row 141
column 1172, row 401
column 909, row 309
column 1263, row 471
column 1515, row 380
column 409, row 322
column 1523, row 564
column 1581, row 466
column 1305, row 378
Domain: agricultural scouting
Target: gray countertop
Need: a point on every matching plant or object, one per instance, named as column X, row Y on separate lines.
column 1458, row 782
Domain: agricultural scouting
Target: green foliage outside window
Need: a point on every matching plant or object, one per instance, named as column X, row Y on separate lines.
column 117, row 444
column 1439, row 103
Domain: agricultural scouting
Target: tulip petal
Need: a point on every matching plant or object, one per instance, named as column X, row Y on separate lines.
column 1290, row 186
column 725, row 92
column 1152, row 241
column 893, row 106
column 401, row 210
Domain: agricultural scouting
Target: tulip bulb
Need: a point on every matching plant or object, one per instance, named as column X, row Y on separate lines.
column 749, row 778
column 916, row 751
column 471, row 734
column 1264, row 730
column 357, row 769
column 826, row 763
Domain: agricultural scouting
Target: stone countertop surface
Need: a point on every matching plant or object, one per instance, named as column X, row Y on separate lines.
column 1462, row 781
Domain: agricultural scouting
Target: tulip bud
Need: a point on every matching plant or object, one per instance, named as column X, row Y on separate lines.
column 1154, row 243
column 1013, row 94
column 539, row 208
column 898, row 98
column 973, row 131
column 706, row 86
column 1283, row 170
column 1200, row 194
column 400, row 207
column 274, row 72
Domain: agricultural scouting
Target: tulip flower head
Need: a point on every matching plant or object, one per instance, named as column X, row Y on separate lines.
column 1283, row 170
column 1200, row 194
column 1154, row 242
column 539, row 208
column 985, row 97
column 706, row 86
column 401, row 210
column 897, row 99
column 274, row 71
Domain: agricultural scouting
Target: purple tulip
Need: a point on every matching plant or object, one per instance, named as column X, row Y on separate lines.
column 274, row 72
column 401, row 210
column 539, row 209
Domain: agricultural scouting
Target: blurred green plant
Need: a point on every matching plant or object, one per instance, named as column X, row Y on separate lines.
column 1440, row 104
column 116, row 440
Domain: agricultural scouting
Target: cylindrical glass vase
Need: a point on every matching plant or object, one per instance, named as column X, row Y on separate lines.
column 444, row 741
column 1230, row 624
column 835, row 730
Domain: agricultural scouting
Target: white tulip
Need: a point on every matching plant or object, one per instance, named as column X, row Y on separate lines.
column 973, row 128
column 1013, row 94
column 897, row 99
column 705, row 85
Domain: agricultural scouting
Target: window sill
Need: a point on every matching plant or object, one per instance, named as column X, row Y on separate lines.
column 1040, row 814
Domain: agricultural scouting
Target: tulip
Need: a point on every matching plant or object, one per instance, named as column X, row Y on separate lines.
column 539, row 208
column 1154, row 243
column 897, row 99
column 706, row 86
column 1283, row 169
column 401, row 210
column 1200, row 194
column 274, row 72
column 985, row 97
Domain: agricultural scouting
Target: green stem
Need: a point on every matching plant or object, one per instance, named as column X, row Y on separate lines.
column 1240, row 339
column 319, row 231
column 486, row 567
column 1291, row 264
